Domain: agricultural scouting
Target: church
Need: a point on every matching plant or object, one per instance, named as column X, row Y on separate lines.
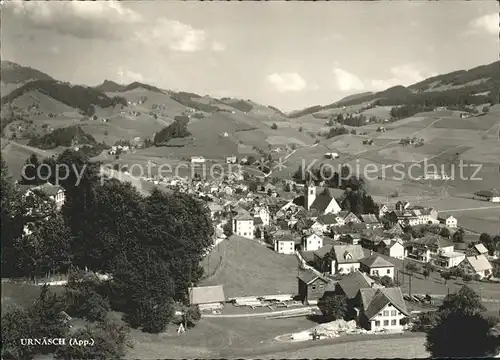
column 320, row 204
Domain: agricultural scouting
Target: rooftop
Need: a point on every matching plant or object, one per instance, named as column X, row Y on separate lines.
column 207, row 295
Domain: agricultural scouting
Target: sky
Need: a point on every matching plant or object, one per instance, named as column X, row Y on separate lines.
column 286, row 54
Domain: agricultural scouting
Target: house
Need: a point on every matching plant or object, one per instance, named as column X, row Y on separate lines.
column 382, row 309
column 215, row 210
column 350, row 285
column 382, row 210
column 492, row 195
column 263, row 213
column 371, row 221
column 393, row 248
column 428, row 247
column 402, row 205
column 322, row 204
column 477, row 265
column 448, row 260
column 197, row 159
column 371, row 239
column 353, row 238
column 231, row 159
column 312, row 242
column 258, row 224
column 450, row 222
column 324, row 223
column 207, row 297
column 478, row 249
column 243, row 225
column 47, row 193
column 285, row 245
column 313, row 286
column 375, row 265
column 346, row 258
column 396, row 230
column 320, row 258
column 347, row 217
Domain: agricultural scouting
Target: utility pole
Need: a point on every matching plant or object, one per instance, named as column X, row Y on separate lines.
column 410, row 282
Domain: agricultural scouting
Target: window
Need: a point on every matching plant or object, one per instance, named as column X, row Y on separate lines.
column 386, row 322
column 388, row 271
column 313, row 288
column 375, row 272
column 322, row 286
column 380, row 314
column 377, row 323
column 393, row 312
column 393, row 322
column 386, row 312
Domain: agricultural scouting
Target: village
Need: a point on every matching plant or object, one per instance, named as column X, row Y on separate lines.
column 364, row 257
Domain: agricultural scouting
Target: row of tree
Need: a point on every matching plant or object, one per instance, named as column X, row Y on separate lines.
column 151, row 245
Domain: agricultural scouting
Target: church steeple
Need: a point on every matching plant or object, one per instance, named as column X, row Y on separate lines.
column 309, row 192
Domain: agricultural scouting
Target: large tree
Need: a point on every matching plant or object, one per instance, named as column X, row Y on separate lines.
column 461, row 328
column 333, row 307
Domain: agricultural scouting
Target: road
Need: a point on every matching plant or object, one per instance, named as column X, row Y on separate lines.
column 473, row 209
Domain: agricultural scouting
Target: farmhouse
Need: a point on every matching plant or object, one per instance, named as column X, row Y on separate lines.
column 331, row 155
column 492, row 195
column 350, row 284
column 207, row 297
column 313, row 286
column 346, row 258
column 197, row 159
column 324, row 222
column 476, row 265
column 375, row 265
column 243, row 225
column 382, row 309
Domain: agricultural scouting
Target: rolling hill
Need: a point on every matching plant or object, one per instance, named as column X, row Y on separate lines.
column 109, row 86
column 475, row 86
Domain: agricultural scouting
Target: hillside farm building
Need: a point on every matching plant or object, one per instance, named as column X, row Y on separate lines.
column 331, row 155
column 488, row 195
column 197, row 160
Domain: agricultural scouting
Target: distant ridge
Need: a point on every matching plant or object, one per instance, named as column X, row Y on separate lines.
column 110, row 86
column 136, row 85
column 12, row 73
column 482, row 83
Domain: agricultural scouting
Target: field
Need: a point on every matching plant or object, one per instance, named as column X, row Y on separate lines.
column 249, row 268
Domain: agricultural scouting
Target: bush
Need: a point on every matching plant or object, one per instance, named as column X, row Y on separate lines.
column 16, row 325
column 274, row 126
column 110, row 342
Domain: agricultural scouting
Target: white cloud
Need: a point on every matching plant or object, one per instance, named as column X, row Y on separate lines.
column 127, row 76
column 285, row 82
column 486, row 23
column 83, row 19
column 173, row 34
column 218, row 46
column 405, row 75
column 111, row 20
column 346, row 81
